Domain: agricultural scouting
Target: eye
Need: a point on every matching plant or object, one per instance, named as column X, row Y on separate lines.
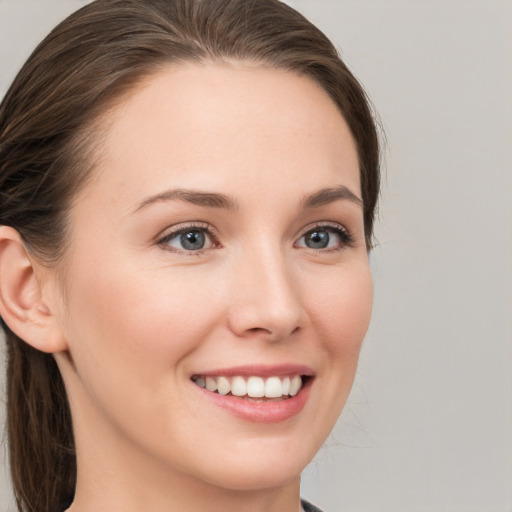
column 325, row 238
column 188, row 239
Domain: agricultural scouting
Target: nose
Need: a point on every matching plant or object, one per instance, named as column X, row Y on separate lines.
column 265, row 298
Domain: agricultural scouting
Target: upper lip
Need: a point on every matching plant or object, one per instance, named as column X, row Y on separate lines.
column 280, row 370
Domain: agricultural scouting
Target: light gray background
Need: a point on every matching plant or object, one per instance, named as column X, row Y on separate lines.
column 429, row 423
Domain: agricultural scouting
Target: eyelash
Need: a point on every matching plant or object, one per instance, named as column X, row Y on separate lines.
column 346, row 239
column 172, row 233
column 344, row 235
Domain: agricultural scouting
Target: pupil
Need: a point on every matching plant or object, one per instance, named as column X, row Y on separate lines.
column 318, row 240
column 193, row 240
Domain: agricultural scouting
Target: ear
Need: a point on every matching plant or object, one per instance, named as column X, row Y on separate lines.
column 22, row 305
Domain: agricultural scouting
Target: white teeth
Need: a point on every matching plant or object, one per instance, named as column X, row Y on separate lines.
column 286, row 386
column 201, row 382
column 295, row 385
column 211, row 384
column 223, row 386
column 253, row 387
column 273, row 387
column 238, row 387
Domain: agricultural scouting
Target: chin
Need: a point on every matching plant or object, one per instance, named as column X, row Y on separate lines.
column 264, row 467
column 256, row 477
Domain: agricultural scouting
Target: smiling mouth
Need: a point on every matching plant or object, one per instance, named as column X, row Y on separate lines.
column 252, row 388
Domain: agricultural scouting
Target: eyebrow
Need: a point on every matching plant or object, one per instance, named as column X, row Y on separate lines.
column 330, row 195
column 216, row 200
column 206, row 199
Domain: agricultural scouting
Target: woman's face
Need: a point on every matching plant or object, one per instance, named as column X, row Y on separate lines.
column 220, row 243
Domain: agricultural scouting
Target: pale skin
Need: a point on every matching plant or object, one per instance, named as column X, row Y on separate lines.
column 140, row 314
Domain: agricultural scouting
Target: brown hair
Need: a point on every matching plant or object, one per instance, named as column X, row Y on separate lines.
column 47, row 134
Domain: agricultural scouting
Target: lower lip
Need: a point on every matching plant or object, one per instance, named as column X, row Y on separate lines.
column 264, row 411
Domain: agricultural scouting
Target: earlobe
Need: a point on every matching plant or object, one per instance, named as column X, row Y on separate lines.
column 21, row 299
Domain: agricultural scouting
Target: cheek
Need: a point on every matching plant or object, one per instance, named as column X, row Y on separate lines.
column 342, row 310
column 340, row 313
column 131, row 325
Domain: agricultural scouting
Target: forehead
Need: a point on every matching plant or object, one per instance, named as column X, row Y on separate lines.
column 226, row 125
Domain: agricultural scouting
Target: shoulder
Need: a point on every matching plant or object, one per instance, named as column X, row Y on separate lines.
column 308, row 507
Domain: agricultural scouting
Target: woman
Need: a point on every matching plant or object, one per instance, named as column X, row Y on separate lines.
column 187, row 199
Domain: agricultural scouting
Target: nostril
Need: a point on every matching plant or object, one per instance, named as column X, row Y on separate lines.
column 258, row 330
column 261, row 332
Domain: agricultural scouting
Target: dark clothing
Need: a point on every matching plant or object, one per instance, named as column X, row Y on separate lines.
column 308, row 507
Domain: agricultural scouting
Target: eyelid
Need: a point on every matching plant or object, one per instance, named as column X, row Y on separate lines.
column 324, row 225
column 340, row 229
column 170, row 232
column 178, row 229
